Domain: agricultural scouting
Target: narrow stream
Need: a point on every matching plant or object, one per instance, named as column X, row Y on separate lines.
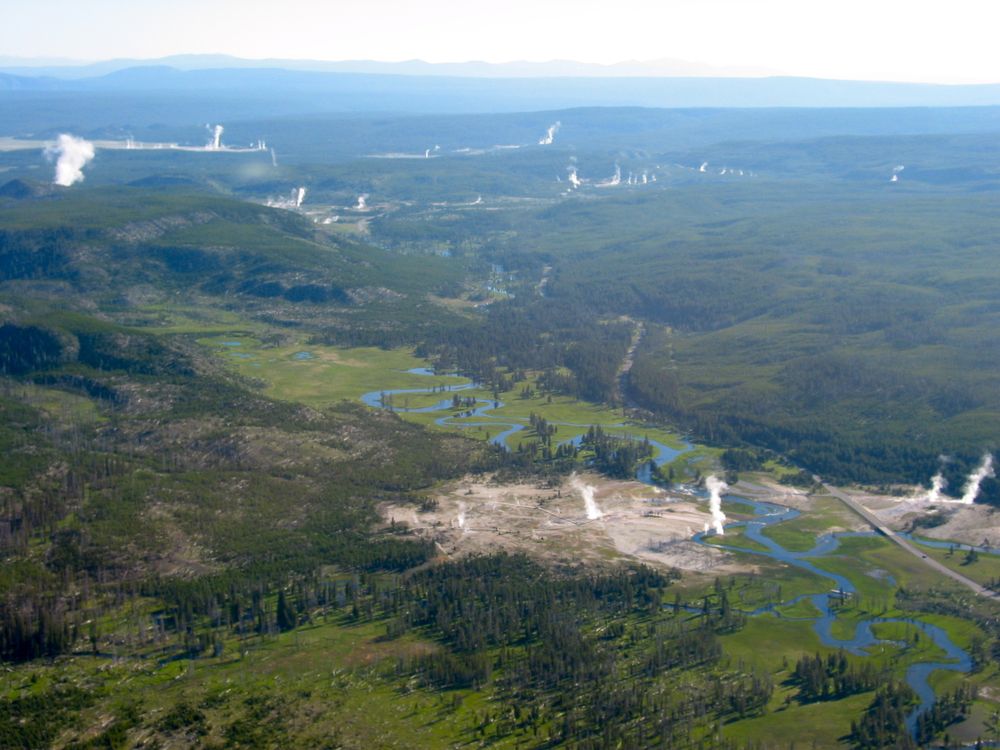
column 863, row 639
column 765, row 514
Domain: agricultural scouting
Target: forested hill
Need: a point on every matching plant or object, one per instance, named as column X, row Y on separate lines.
column 167, row 529
column 848, row 325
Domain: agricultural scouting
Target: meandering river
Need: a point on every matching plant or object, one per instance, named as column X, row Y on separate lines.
column 765, row 514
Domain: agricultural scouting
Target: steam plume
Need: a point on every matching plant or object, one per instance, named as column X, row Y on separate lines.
column 587, row 492
column 983, row 471
column 71, row 155
column 703, row 167
column 298, row 195
column 216, row 143
column 362, row 202
column 574, row 180
column 715, row 488
column 938, row 483
column 550, row 135
column 615, row 180
column 460, row 519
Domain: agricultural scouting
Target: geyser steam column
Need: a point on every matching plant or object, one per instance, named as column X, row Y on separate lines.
column 71, row 155
column 983, row 471
column 550, row 134
column 971, row 489
column 216, row 143
column 587, row 492
column 716, row 487
column 938, row 483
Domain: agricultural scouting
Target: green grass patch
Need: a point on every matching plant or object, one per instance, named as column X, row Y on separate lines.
column 737, row 508
column 735, row 536
column 868, row 563
column 775, row 583
column 801, row 608
column 821, row 725
column 322, row 375
column 799, row 534
column 984, row 570
column 771, row 644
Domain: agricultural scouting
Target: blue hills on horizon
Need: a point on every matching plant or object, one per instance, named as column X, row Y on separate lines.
column 416, row 86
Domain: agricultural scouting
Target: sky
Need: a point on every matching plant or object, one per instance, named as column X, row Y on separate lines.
column 902, row 40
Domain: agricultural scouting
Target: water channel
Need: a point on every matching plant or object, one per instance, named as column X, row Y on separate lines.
column 765, row 514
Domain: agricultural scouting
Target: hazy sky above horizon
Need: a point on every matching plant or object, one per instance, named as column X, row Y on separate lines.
column 951, row 42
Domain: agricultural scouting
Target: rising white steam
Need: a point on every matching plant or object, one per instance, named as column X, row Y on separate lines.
column 71, row 155
column 938, row 483
column 716, row 487
column 550, row 135
column 615, row 180
column 970, row 491
column 362, row 202
column 216, row 142
column 574, row 179
column 298, row 195
column 895, row 172
column 984, row 471
column 703, row 167
column 587, row 492
column 460, row 519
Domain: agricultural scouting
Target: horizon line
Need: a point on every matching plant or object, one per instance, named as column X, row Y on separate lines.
column 699, row 69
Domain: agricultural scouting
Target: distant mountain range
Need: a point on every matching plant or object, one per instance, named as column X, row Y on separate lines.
column 417, row 86
column 666, row 67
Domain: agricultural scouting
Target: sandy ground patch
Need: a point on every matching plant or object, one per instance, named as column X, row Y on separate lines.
column 970, row 524
column 761, row 488
column 628, row 520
